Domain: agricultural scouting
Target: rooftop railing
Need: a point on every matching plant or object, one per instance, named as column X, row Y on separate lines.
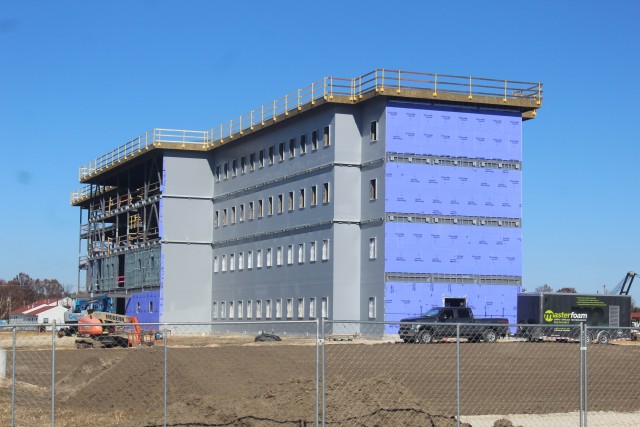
column 330, row 89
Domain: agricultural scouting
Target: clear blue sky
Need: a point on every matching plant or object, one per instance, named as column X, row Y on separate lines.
column 78, row 78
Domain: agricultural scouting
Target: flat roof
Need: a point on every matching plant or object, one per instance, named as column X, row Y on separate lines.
column 524, row 97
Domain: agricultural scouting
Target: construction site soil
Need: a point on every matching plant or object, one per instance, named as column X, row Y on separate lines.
column 236, row 382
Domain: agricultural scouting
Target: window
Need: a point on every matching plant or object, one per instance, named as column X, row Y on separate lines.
column 138, row 307
column 261, row 158
column 252, row 161
column 312, row 252
column 314, row 195
column 290, row 200
column 301, row 253
column 300, row 308
column 372, row 307
column 280, row 203
column 281, row 151
column 150, row 306
column 267, row 315
column 278, row 308
column 279, row 256
column 232, row 312
column 259, row 258
column 292, row 148
column 250, row 260
column 260, row 209
column 240, row 311
column 216, row 219
column 312, row 308
column 233, row 215
column 241, row 261
column 301, row 199
column 249, row 309
column 215, row 310
column 234, row 168
column 258, row 309
column 325, row 307
column 325, row 192
column 250, row 211
column 373, row 189
column 271, row 155
column 226, row 170
column 232, row 262
column 243, row 164
column 224, row 263
column 242, row 212
column 314, row 140
column 374, row 131
column 270, row 206
column 372, row 248
column 303, row 144
column 289, row 308
column 325, row 140
column 290, row 254
column 269, row 258
column 224, row 216
column 325, row 250
column 223, row 312
column 215, row 264
column 218, row 173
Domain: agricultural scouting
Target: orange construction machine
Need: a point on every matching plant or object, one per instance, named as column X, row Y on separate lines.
column 108, row 330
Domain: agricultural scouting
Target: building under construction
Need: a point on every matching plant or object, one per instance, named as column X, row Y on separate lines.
column 367, row 198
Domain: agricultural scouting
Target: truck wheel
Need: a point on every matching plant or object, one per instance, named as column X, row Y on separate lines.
column 489, row 335
column 603, row 338
column 589, row 338
column 425, row 336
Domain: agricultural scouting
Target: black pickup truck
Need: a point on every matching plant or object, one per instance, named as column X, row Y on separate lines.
column 440, row 322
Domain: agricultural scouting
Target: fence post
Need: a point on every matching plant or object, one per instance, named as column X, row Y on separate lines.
column 53, row 374
column 166, row 340
column 458, row 374
column 586, row 376
column 583, row 342
column 13, row 377
column 317, row 370
column 324, row 375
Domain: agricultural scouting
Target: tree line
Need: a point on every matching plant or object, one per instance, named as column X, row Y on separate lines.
column 23, row 290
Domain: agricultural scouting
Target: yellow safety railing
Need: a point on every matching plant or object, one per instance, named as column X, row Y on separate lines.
column 144, row 142
column 329, row 89
column 85, row 192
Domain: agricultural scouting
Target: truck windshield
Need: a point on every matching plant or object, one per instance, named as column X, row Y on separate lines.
column 431, row 313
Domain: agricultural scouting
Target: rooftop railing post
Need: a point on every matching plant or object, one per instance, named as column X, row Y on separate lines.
column 505, row 92
column 539, row 93
column 299, row 105
column 470, row 90
column 398, row 81
column 312, row 100
column 382, row 81
column 286, row 103
column 241, row 125
column 435, row 84
column 360, row 88
column 230, row 128
column 331, row 88
column 274, row 110
column 262, row 115
column 251, row 119
column 376, row 80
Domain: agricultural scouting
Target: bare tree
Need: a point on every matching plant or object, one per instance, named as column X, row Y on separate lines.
column 568, row 290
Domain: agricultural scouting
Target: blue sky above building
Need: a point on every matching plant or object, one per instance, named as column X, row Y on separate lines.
column 80, row 78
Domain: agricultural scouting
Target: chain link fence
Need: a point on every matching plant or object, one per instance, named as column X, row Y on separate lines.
column 320, row 373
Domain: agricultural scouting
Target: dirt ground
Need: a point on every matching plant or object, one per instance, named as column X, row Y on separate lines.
column 232, row 381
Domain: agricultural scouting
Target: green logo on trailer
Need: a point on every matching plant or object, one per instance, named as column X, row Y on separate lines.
column 548, row 316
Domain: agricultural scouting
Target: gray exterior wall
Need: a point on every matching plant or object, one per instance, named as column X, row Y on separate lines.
column 185, row 232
